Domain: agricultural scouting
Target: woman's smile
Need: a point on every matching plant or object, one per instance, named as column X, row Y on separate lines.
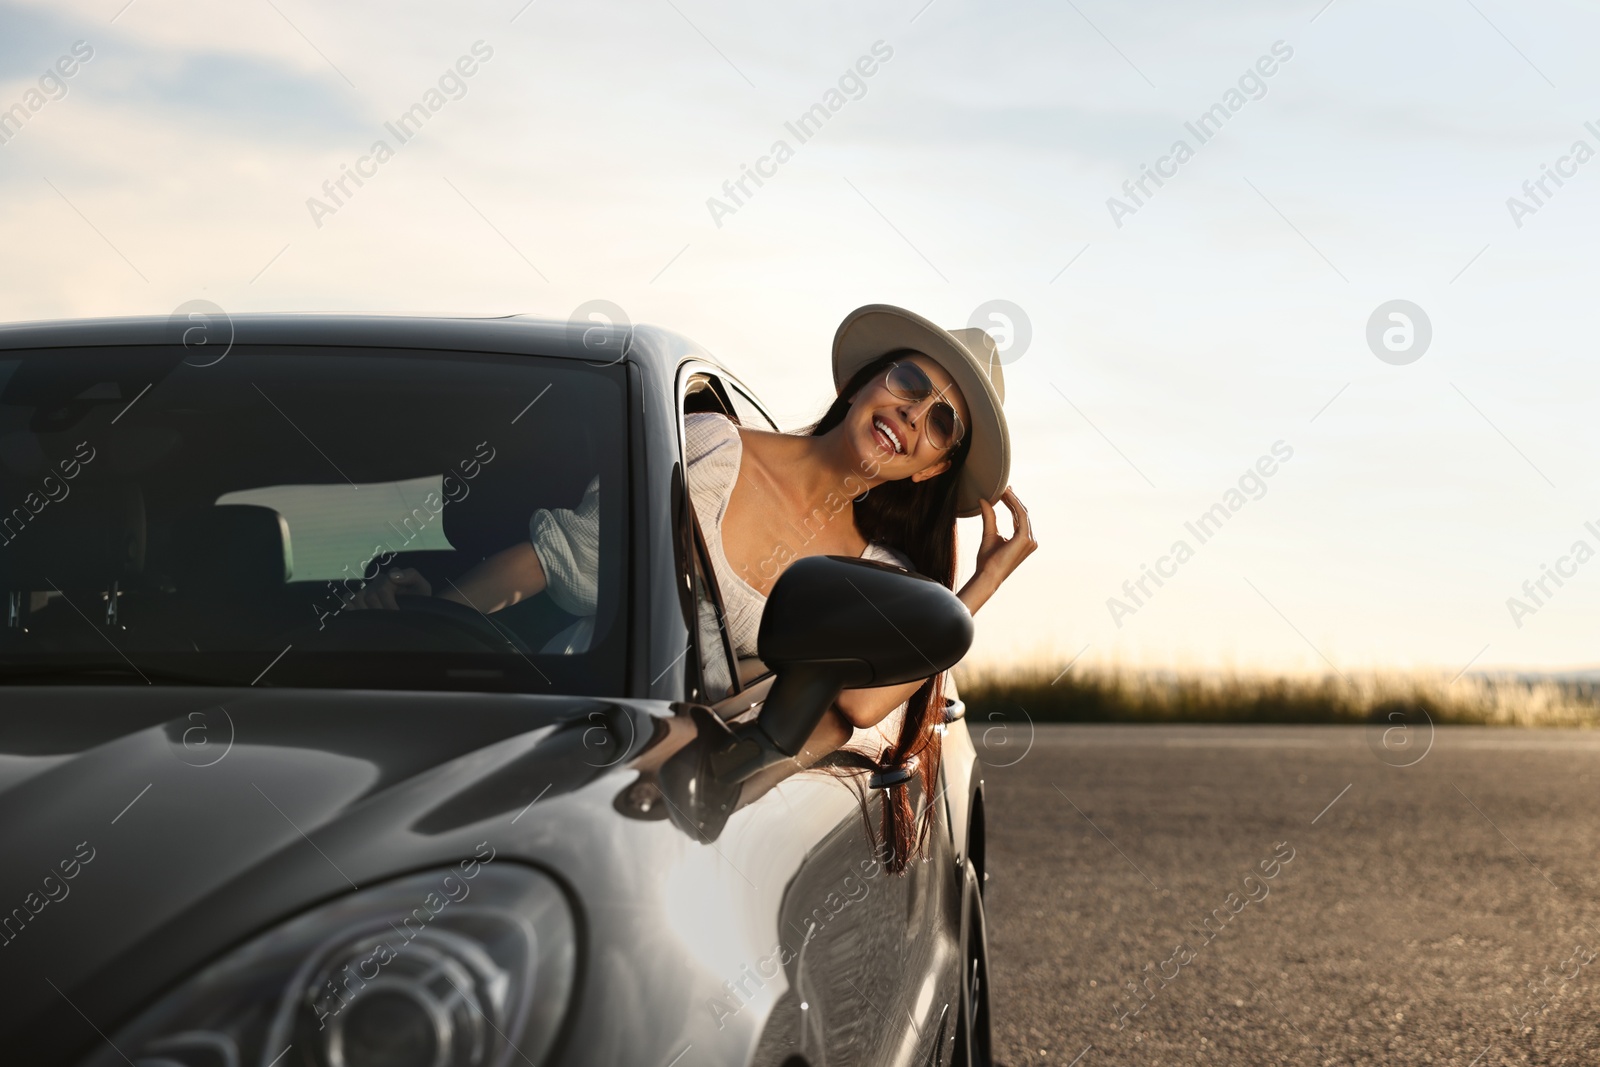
column 891, row 437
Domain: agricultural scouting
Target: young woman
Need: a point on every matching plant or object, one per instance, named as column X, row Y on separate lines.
column 915, row 438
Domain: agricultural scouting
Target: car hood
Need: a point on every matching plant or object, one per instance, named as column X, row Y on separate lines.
column 146, row 829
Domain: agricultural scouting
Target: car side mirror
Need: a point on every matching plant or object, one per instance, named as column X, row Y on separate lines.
column 831, row 623
column 839, row 622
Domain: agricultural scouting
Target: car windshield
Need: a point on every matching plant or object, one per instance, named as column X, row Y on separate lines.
column 168, row 516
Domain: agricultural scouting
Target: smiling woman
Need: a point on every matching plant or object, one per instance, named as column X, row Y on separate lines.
column 918, row 422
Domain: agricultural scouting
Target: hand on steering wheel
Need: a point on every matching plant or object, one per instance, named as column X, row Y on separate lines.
column 381, row 591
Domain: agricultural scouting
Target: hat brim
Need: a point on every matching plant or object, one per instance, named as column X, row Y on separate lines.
column 878, row 329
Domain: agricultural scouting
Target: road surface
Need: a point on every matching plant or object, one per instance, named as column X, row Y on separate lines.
column 1303, row 895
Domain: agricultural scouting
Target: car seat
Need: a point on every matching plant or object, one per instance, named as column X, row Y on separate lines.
column 536, row 467
column 230, row 564
column 86, row 546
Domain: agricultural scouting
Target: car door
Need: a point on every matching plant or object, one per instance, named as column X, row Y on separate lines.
column 877, row 950
column 852, row 937
column 930, row 967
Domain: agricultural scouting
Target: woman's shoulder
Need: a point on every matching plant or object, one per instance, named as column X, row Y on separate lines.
column 706, row 432
column 712, row 452
column 709, row 436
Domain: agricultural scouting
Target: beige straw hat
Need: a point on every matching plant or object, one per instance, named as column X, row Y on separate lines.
column 969, row 356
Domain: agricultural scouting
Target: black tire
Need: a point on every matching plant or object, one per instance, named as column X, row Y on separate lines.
column 974, row 1044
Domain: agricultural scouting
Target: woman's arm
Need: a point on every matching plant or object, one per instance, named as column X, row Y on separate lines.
column 510, row 575
column 997, row 558
column 831, row 734
column 560, row 555
column 505, row 578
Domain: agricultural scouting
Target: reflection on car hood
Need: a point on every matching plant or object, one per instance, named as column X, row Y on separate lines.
column 145, row 829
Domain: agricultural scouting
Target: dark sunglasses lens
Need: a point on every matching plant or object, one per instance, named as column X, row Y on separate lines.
column 908, row 381
column 942, row 425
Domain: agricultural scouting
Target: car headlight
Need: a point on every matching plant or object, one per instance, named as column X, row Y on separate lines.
column 440, row 969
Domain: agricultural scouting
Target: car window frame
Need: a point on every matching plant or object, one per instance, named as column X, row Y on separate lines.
column 700, row 574
column 738, row 392
column 703, row 584
column 754, row 687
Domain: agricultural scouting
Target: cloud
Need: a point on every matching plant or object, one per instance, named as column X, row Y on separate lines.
column 251, row 96
column 241, row 96
column 32, row 40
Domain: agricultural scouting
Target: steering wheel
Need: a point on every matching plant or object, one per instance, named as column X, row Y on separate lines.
column 495, row 637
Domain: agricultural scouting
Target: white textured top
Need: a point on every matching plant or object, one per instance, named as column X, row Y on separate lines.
column 713, row 451
column 567, row 542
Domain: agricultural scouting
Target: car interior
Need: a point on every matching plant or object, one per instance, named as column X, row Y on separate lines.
column 161, row 540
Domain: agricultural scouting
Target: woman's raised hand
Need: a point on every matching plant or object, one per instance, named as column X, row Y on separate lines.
column 381, row 591
column 999, row 556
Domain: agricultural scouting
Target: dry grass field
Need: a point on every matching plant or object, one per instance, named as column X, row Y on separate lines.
column 1042, row 694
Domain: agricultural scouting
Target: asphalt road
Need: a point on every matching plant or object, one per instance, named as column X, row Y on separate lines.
column 1438, row 913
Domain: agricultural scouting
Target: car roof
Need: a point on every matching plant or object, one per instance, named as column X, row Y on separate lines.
column 515, row 334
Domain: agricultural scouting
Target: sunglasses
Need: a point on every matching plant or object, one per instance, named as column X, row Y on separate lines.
column 907, row 381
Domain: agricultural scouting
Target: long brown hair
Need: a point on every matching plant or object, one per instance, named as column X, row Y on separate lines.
column 917, row 519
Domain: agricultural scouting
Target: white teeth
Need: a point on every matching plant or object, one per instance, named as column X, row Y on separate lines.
column 888, row 431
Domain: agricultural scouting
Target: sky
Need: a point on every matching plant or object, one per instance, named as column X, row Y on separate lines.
column 1164, row 346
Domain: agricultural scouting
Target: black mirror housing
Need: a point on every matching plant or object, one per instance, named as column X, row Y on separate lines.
column 831, row 623
column 840, row 622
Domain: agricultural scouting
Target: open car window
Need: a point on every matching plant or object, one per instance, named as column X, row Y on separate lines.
column 748, row 668
column 718, row 673
column 168, row 520
column 748, row 411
